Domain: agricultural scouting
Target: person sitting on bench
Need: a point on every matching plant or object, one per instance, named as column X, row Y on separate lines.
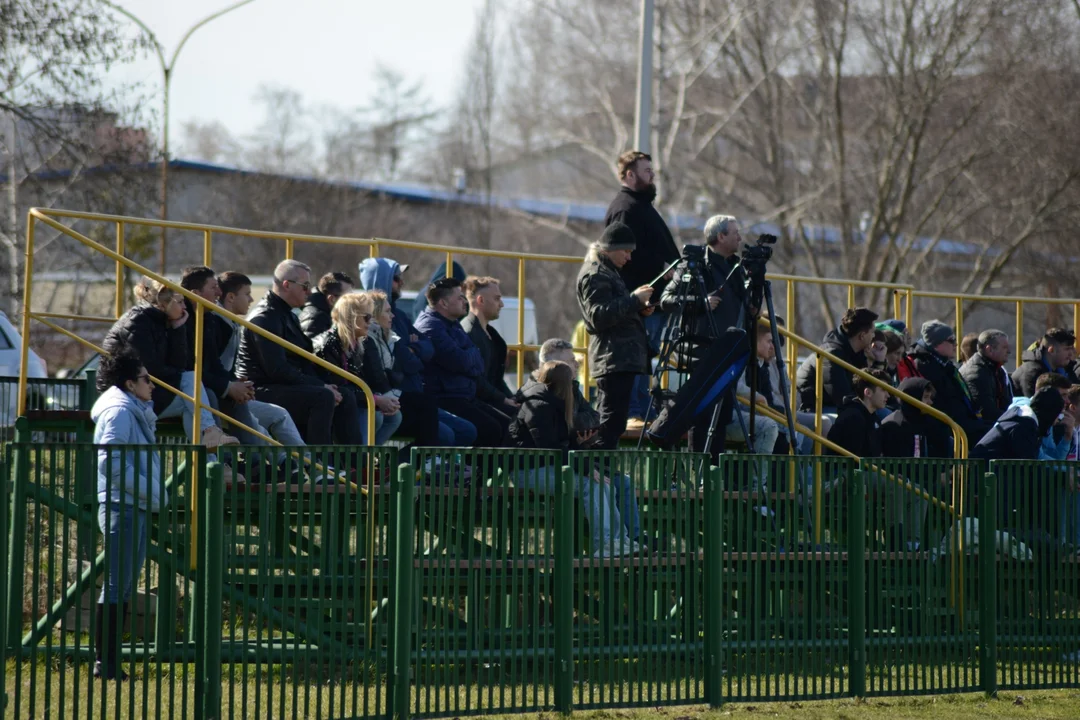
column 545, row 421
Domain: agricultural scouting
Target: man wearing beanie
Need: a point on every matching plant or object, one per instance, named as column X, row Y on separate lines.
column 618, row 347
column 933, row 358
column 656, row 249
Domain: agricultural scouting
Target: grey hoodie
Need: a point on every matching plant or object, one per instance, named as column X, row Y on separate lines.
column 130, row 475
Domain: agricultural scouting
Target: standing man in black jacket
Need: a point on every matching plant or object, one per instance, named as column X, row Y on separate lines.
column 287, row 379
column 485, row 304
column 656, row 249
column 315, row 317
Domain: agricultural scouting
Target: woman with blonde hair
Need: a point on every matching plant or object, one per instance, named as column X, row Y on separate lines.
column 343, row 345
column 154, row 329
column 545, row 420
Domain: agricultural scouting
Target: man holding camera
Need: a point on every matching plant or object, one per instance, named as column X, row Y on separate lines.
column 656, row 249
column 724, row 289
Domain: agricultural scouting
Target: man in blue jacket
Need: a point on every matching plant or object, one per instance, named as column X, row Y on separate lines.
column 411, row 352
column 452, row 373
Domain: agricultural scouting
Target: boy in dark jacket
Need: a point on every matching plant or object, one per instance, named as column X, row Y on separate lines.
column 849, row 343
column 856, row 429
column 315, row 317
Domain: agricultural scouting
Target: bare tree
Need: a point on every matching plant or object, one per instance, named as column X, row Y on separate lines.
column 53, row 57
column 284, row 141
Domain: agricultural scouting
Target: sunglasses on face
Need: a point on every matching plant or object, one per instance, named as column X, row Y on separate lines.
column 366, row 318
column 305, row 285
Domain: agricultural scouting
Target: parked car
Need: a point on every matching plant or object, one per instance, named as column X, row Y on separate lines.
column 10, row 357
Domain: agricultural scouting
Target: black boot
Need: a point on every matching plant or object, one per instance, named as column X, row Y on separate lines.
column 108, row 649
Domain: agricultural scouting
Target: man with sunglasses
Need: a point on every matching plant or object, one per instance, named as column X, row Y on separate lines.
column 287, row 379
column 933, row 360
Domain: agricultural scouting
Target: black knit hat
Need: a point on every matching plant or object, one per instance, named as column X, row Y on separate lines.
column 617, row 236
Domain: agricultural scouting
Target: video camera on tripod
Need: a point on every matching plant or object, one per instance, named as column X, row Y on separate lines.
column 717, row 370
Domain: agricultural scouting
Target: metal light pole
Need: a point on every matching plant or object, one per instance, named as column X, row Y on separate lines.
column 642, row 130
column 166, row 74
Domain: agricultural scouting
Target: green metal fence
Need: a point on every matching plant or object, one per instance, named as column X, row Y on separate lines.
column 1038, row 603
column 336, row 582
column 921, row 614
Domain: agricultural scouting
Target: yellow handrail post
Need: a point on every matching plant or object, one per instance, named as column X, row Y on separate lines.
column 207, row 249
column 1076, row 316
column 196, row 433
column 521, row 323
column 896, row 303
column 289, row 248
column 959, row 325
column 909, row 311
column 28, row 285
column 119, row 270
column 373, row 249
column 819, row 390
column 793, row 352
column 851, row 296
column 450, row 264
column 1019, row 331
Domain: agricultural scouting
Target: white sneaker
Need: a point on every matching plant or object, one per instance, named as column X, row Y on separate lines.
column 619, row 548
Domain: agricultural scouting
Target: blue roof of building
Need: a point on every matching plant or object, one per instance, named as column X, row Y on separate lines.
column 561, row 209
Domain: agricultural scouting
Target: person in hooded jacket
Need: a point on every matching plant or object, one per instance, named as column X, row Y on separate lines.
column 411, row 352
column 130, row 488
column 848, row 342
column 1024, row 498
column 154, row 329
column 908, row 432
column 545, row 422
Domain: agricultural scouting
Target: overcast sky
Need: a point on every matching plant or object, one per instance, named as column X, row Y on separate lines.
column 326, row 49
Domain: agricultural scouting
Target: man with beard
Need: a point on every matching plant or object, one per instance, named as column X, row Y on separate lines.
column 655, row 250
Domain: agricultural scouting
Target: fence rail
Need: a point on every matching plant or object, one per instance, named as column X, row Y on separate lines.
column 488, row 582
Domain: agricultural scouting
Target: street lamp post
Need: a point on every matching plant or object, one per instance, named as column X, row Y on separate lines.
column 642, row 129
column 166, row 74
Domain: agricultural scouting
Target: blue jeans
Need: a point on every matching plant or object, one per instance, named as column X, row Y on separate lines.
column 179, row 407
column 124, row 528
column 605, row 522
column 639, row 394
column 455, row 431
column 626, row 501
column 1070, row 517
column 385, row 426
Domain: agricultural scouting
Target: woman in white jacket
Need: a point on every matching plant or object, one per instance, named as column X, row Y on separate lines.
column 129, row 487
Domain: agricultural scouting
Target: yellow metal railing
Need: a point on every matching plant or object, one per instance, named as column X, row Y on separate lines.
column 1018, row 302
column 201, row 306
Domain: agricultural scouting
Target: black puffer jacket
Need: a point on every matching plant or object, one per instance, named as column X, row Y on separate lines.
column 908, row 426
column 541, row 422
column 656, row 248
column 162, row 350
column 315, row 317
column 266, row 363
column 698, row 320
column 837, row 382
column 990, row 387
column 617, row 340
